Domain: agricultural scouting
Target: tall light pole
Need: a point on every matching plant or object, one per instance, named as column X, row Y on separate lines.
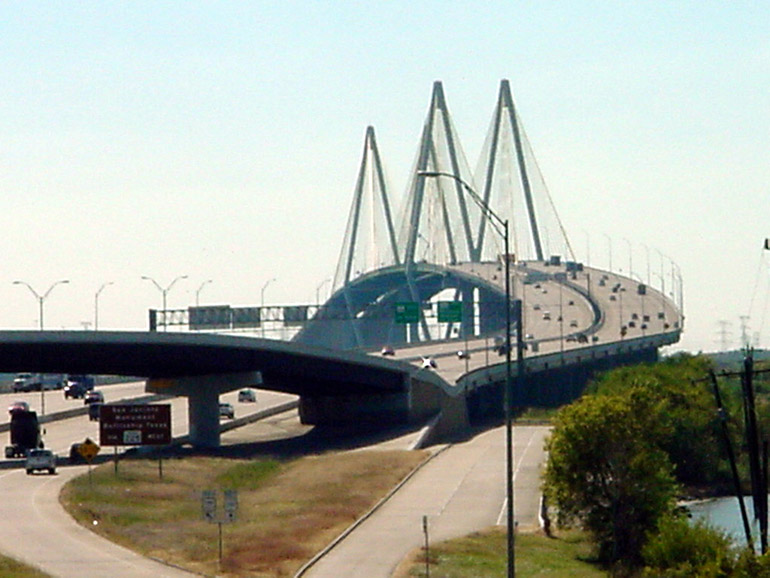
column 262, row 303
column 198, row 291
column 630, row 257
column 647, row 252
column 609, row 246
column 96, row 304
column 164, row 292
column 662, row 279
column 501, row 227
column 41, row 298
column 318, row 289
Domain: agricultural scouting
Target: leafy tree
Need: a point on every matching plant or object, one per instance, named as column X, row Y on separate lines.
column 607, row 472
column 686, row 408
column 683, row 549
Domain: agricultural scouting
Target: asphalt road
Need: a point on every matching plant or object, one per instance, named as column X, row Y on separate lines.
column 39, row 532
column 543, row 304
column 461, row 490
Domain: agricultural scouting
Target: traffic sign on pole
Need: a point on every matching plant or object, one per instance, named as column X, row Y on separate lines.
column 407, row 312
column 450, row 311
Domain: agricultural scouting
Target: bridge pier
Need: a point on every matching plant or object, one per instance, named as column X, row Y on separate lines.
column 202, row 394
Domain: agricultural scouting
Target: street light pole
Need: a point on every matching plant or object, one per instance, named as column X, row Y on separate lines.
column 609, row 245
column 630, row 257
column 198, row 291
column 164, row 292
column 317, row 291
column 96, row 304
column 262, row 304
column 41, row 298
column 501, row 227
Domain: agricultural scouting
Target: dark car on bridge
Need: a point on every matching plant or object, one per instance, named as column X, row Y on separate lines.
column 226, row 410
column 93, row 397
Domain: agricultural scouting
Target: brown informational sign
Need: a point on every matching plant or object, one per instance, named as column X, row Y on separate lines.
column 135, row 425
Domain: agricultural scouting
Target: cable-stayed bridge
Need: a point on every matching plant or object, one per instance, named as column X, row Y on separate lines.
column 424, row 282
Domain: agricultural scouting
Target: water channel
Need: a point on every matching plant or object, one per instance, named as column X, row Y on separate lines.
column 725, row 514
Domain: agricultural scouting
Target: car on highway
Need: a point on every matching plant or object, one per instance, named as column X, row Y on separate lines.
column 387, row 350
column 226, row 410
column 40, row 459
column 23, row 382
column 463, row 354
column 428, row 363
column 18, row 406
column 247, row 396
column 78, row 386
column 94, row 396
column 94, row 409
column 546, row 315
column 38, row 381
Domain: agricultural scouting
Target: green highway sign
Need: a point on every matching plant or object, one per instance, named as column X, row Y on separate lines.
column 450, row 311
column 407, row 312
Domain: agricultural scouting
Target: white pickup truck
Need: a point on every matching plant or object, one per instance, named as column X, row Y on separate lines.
column 38, row 459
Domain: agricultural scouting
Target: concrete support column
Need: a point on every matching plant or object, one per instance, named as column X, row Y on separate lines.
column 203, row 415
column 468, row 319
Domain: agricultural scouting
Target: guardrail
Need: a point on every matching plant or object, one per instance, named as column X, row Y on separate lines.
column 493, row 373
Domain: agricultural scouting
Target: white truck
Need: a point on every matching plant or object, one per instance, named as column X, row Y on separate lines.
column 38, row 381
column 40, row 459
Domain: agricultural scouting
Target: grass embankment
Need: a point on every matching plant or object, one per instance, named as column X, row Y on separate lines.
column 483, row 555
column 12, row 569
column 287, row 511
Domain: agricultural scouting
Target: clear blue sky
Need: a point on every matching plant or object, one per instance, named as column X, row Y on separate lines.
column 222, row 139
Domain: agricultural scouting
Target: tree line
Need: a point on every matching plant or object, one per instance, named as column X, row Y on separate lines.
column 642, row 438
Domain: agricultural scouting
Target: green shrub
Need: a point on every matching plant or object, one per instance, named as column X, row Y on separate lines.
column 685, row 549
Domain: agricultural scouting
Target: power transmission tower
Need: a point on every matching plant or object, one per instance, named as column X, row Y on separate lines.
column 745, row 341
column 724, row 334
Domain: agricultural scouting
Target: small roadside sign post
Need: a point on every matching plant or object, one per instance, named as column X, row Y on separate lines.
column 88, row 450
column 427, row 546
column 210, row 514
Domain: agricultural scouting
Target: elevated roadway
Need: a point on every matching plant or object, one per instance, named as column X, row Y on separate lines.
column 575, row 322
column 200, row 367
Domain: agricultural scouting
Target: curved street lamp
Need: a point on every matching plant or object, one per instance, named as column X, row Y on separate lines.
column 198, row 291
column 630, row 257
column 501, row 228
column 262, row 303
column 96, row 304
column 164, row 292
column 41, row 298
column 609, row 247
column 318, row 289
